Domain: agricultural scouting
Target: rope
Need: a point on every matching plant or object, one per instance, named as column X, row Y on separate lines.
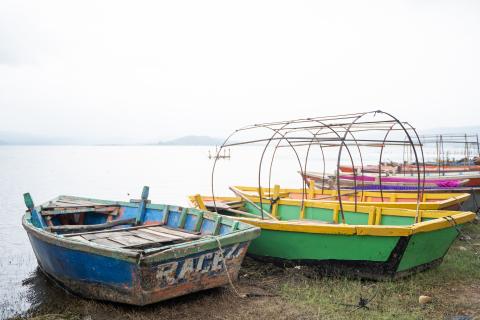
column 362, row 302
column 274, row 200
column 465, row 236
column 240, row 295
column 472, row 192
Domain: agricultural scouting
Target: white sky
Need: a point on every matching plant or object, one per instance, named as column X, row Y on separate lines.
column 145, row 71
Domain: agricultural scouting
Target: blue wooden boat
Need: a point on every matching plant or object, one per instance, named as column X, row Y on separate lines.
column 134, row 252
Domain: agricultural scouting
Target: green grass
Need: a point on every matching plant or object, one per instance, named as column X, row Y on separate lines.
column 453, row 285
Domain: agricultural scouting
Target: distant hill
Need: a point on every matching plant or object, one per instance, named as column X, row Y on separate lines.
column 193, row 141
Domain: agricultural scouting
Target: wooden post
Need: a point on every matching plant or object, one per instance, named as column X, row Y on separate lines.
column 335, row 213
column 217, row 225
column 419, row 216
column 276, row 198
column 378, row 216
column 200, row 203
column 311, row 190
column 183, row 218
column 142, row 206
column 37, row 219
column 198, row 223
column 302, row 211
column 166, row 211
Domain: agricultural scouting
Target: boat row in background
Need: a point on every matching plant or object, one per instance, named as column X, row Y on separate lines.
column 373, row 221
column 139, row 253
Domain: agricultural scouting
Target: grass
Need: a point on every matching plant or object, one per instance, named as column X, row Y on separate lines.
column 301, row 293
column 454, row 287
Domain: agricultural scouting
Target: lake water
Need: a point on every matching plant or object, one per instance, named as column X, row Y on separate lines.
column 111, row 172
column 106, row 172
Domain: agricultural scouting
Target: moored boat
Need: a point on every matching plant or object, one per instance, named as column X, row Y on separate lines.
column 134, row 252
column 366, row 241
column 394, row 182
column 428, row 201
column 411, row 168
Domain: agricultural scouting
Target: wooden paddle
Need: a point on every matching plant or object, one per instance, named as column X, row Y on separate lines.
column 244, row 197
column 220, row 206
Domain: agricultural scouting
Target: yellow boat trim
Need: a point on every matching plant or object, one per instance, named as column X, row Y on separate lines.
column 361, row 230
column 443, row 200
column 441, row 219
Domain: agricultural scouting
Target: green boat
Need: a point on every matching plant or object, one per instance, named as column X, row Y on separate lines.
column 364, row 241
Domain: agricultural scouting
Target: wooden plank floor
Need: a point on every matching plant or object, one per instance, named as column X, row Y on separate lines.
column 136, row 237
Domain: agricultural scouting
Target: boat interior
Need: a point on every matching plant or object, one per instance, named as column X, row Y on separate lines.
column 126, row 225
column 313, row 193
column 315, row 212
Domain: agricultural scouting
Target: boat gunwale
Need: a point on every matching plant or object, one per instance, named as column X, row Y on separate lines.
column 362, row 230
column 451, row 198
column 243, row 233
column 441, row 219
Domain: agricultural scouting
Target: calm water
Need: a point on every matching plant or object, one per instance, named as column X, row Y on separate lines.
column 113, row 173
column 102, row 172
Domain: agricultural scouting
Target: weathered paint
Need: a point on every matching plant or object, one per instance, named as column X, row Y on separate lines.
column 145, row 276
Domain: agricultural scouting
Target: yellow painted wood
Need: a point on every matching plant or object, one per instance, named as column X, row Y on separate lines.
column 378, row 216
column 199, row 201
column 302, row 226
column 311, row 189
column 302, row 212
column 419, row 216
column 372, row 215
column 442, row 200
column 440, row 223
column 386, row 231
column 335, row 214
column 276, row 193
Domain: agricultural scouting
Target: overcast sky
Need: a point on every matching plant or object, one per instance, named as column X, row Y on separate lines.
column 144, row 71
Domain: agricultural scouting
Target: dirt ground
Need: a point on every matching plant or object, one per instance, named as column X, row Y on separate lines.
column 297, row 293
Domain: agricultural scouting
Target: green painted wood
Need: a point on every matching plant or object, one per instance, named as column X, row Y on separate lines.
column 421, row 248
column 198, row 223
column 165, row 214
column 217, row 225
column 234, row 226
column 183, row 218
column 426, row 247
column 315, row 246
column 37, row 219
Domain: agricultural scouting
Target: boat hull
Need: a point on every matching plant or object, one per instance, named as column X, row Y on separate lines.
column 365, row 241
column 108, row 278
column 136, row 280
column 368, row 257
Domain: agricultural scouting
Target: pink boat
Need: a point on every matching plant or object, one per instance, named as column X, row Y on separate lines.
column 348, row 180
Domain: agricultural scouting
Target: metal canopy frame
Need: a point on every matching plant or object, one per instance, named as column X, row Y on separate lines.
column 339, row 131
